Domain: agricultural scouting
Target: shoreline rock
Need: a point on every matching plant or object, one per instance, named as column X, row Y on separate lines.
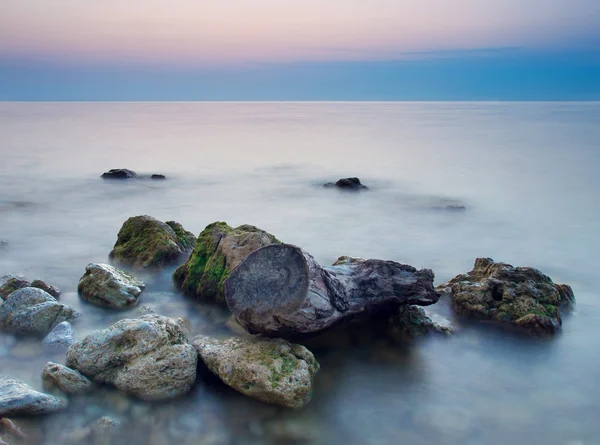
column 14, row 283
column 107, row 286
column 68, row 380
column 411, row 322
column 17, row 398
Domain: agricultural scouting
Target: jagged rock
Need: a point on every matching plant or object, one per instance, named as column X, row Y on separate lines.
column 219, row 249
column 68, row 380
column 59, row 339
column 52, row 290
column 11, row 285
column 33, row 311
column 148, row 357
column 107, row 286
column 17, row 398
column 271, row 370
column 347, row 184
column 518, row 296
column 280, row 290
column 119, row 173
column 145, row 243
column 411, row 322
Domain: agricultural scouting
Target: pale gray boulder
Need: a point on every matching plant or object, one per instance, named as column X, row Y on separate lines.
column 17, row 398
column 107, row 286
column 59, row 339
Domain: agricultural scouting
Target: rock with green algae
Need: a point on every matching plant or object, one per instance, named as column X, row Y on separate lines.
column 411, row 322
column 219, row 249
column 107, row 286
column 518, row 296
column 147, row 244
column 270, row 370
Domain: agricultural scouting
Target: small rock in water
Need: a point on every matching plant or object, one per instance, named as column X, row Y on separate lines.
column 10, row 428
column 52, row 290
column 68, row 380
column 119, row 173
column 17, row 398
column 11, row 285
column 59, row 339
column 158, row 177
column 346, row 260
column 107, row 286
column 411, row 322
column 347, row 184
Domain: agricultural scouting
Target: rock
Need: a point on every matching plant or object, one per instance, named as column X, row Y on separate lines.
column 158, row 177
column 147, row 357
column 52, row 290
column 271, row 370
column 219, row 249
column 4, row 244
column 33, row 311
column 59, row 339
column 281, row 291
column 346, row 260
column 347, row 184
column 517, row 296
column 68, row 380
column 107, row 286
column 17, row 398
column 10, row 428
column 119, row 173
column 11, row 285
column 145, row 243
column 102, row 432
column 411, row 322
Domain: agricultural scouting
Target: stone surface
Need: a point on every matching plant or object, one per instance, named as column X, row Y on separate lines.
column 145, row 243
column 17, row 398
column 281, row 291
column 33, row 311
column 219, row 249
column 59, row 339
column 518, row 296
column 119, row 173
column 148, row 357
column 68, row 380
column 347, row 184
column 11, row 285
column 52, row 290
column 412, row 322
column 271, row 370
column 107, row 286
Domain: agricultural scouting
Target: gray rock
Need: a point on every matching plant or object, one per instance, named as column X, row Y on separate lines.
column 518, row 296
column 271, row 370
column 33, row 311
column 60, row 338
column 52, row 290
column 107, row 286
column 148, row 357
column 11, row 285
column 68, row 380
column 411, row 322
column 17, row 398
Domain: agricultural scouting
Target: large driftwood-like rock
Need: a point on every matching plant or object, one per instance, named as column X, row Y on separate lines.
column 280, row 290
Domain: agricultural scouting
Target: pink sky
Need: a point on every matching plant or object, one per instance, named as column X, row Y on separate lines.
column 196, row 31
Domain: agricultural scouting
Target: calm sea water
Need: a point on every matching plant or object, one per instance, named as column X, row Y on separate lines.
column 527, row 174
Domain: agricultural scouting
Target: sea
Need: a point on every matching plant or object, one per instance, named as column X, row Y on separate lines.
column 448, row 182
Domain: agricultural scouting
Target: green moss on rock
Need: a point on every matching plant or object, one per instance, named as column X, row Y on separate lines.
column 218, row 250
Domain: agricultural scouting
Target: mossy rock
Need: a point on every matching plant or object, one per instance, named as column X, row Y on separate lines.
column 219, row 249
column 145, row 243
column 519, row 296
column 411, row 322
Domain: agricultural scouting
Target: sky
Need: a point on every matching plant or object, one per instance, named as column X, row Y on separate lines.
column 299, row 50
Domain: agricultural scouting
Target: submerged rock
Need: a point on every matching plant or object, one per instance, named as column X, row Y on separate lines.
column 103, row 431
column 347, row 184
column 17, row 398
column 148, row 357
column 518, row 296
column 107, row 286
column 145, row 243
column 4, row 244
column 33, row 311
column 271, row 370
column 412, row 322
column 219, row 249
column 155, row 176
column 119, row 173
column 68, row 380
column 14, row 283
column 59, row 339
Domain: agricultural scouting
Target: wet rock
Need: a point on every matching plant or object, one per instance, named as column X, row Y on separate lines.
column 11, row 285
column 4, row 244
column 518, row 296
column 219, row 249
column 412, row 322
column 145, row 243
column 10, row 428
column 347, row 184
column 346, row 260
column 148, row 357
column 158, row 177
column 68, row 380
column 107, row 286
column 33, row 311
column 271, row 370
column 119, row 173
column 17, row 398
column 59, row 339
column 52, row 290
